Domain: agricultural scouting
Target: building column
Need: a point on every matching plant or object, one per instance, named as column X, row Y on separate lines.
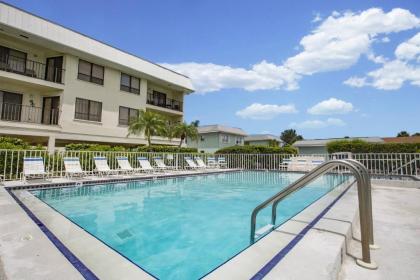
column 51, row 144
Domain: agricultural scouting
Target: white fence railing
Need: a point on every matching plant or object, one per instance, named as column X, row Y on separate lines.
column 398, row 164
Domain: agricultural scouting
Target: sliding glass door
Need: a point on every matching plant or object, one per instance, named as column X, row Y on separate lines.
column 11, row 106
column 50, row 110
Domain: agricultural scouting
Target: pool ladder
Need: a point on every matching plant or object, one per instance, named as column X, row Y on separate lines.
column 364, row 197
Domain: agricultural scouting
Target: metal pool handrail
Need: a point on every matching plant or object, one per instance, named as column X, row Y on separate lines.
column 363, row 187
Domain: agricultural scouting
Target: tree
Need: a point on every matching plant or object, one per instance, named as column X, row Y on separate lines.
column 169, row 130
column 403, row 134
column 416, row 134
column 147, row 122
column 289, row 136
column 184, row 130
column 196, row 123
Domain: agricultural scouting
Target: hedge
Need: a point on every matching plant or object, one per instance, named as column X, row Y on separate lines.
column 257, row 149
column 11, row 143
column 94, row 147
column 164, row 149
column 360, row 146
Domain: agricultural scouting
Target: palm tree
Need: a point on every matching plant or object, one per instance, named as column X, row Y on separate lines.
column 184, row 130
column 289, row 136
column 169, row 130
column 147, row 122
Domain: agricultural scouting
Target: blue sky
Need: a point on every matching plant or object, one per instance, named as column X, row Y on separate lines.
column 325, row 68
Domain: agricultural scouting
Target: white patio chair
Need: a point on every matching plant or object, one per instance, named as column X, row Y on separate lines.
column 191, row 164
column 125, row 165
column 285, row 163
column 102, row 166
column 221, row 161
column 160, row 164
column 145, row 165
column 211, row 162
column 200, row 163
column 73, row 168
column 34, row 167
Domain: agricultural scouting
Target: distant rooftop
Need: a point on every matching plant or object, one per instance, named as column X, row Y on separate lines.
column 221, row 128
column 323, row 142
column 408, row 139
column 262, row 137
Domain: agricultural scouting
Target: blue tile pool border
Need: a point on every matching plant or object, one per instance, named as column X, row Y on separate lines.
column 76, row 262
column 84, row 270
column 346, row 185
column 280, row 255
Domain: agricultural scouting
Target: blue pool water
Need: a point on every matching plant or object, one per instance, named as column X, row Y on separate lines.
column 181, row 228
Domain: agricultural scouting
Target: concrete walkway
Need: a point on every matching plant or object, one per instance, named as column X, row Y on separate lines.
column 397, row 231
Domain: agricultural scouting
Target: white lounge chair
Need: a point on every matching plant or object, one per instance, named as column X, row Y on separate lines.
column 73, row 167
column 125, row 165
column 221, row 161
column 34, row 167
column 145, row 165
column 160, row 164
column 211, row 162
column 191, row 164
column 317, row 162
column 102, row 166
column 285, row 163
column 200, row 163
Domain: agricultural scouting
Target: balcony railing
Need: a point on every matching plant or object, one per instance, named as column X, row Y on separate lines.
column 32, row 69
column 167, row 103
column 28, row 114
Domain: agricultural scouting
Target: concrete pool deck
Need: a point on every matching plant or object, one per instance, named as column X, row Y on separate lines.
column 26, row 253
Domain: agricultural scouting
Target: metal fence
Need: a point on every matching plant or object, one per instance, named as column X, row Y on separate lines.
column 11, row 161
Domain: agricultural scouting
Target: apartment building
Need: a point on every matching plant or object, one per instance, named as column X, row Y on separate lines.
column 214, row 137
column 59, row 86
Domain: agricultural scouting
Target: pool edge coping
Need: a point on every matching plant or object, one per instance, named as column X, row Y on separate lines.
column 70, row 256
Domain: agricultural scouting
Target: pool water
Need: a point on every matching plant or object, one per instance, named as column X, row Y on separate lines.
column 182, row 228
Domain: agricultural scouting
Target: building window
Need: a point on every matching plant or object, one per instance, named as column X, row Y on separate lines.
column 91, row 72
column 88, row 110
column 202, row 138
column 238, row 140
column 130, row 83
column 126, row 115
column 225, row 138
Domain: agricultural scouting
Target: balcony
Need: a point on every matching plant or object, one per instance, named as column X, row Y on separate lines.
column 28, row 114
column 31, row 68
column 167, row 103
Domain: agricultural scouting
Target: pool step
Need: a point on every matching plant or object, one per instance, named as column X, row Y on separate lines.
column 265, row 229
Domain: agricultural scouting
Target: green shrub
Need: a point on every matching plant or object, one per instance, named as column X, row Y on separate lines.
column 360, row 146
column 94, row 147
column 11, row 143
column 164, row 149
column 257, row 149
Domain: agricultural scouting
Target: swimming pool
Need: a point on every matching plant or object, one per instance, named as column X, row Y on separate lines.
column 182, row 227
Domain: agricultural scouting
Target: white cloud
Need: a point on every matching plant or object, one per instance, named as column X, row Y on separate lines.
column 409, row 49
column 339, row 41
column 316, row 124
column 257, row 111
column 330, row 107
column 385, row 40
column 209, row 77
column 335, row 44
column 317, row 18
column 379, row 59
column 393, row 74
column 355, row 82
